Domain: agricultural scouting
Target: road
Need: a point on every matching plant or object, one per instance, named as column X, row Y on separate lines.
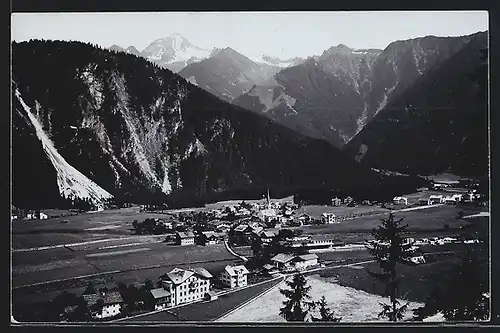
column 280, row 276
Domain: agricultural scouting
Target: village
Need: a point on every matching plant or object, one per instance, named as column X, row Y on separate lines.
column 278, row 228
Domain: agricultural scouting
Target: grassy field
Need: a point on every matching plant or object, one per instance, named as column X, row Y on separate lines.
column 430, row 219
column 316, row 210
column 33, row 267
column 350, row 304
column 207, row 311
column 82, row 227
column 220, row 204
column 416, row 281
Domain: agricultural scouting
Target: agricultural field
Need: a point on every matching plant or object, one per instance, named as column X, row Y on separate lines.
column 46, row 265
column 416, row 281
column 351, row 304
column 316, row 210
column 421, row 220
column 220, row 204
column 114, row 223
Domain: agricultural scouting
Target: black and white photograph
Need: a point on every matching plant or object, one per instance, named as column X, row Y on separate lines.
column 250, row 167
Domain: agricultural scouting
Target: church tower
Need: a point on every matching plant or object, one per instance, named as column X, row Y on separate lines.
column 268, row 200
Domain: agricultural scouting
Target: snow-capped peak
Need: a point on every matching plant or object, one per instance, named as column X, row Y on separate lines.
column 174, row 48
column 275, row 61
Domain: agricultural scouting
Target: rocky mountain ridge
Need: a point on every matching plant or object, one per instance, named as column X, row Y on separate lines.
column 96, row 123
column 370, row 78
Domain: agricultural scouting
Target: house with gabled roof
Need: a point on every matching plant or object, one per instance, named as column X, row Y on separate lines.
column 267, row 215
column 223, row 227
column 303, row 219
column 234, row 276
column 244, row 233
column 162, row 298
column 186, row 285
column 270, row 269
column 185, row 238
column 400, row 200
column 436, row 199
column 207, row 238
column 267, row 235
column 289, row 262
column 242, row 228
column 104, row 305
column 328, row 218
column 305, row 261
column 282, row 260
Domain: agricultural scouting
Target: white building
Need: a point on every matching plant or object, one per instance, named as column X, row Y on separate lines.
column 162, row 297
column 400, row 200
column 267, row 235
column 268, row 215
column 289, row 262
column 185, row 238
column 283, row 261
column 453, row 199
column 186, row 285
column 234, row 276
column 111, row 304
column 336, row 201
column 36, row 216
column 328, row 218
column 417, row 260
column 167, row 224
column 436, row 199
column 305, row 261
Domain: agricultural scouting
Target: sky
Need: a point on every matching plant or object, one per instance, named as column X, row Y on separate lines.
column 279, row 34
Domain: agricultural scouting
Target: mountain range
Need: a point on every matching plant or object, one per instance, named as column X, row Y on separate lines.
column 98, row 124
column 335, row 95
column 176, row 52
column 227, row 74
column 439, row 124
column 118, row 123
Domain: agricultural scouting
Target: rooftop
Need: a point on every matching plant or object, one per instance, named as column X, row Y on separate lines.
column 234, row 270
column 282, row 257
column 241, row 227
column 309, row 256
column 112, row 297
column 187, row 234
column 208, row 233
column 269, row 232
column 202, row 272
column 178, row 275
column 91, row 299
column 322, row 237
column 159, row 293
column 268, row 212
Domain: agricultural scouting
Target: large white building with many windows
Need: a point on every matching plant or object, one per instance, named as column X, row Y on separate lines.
column 234, row 276
column 186, row 285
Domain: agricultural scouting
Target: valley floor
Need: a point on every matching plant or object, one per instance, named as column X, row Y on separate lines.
column 100, row 247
